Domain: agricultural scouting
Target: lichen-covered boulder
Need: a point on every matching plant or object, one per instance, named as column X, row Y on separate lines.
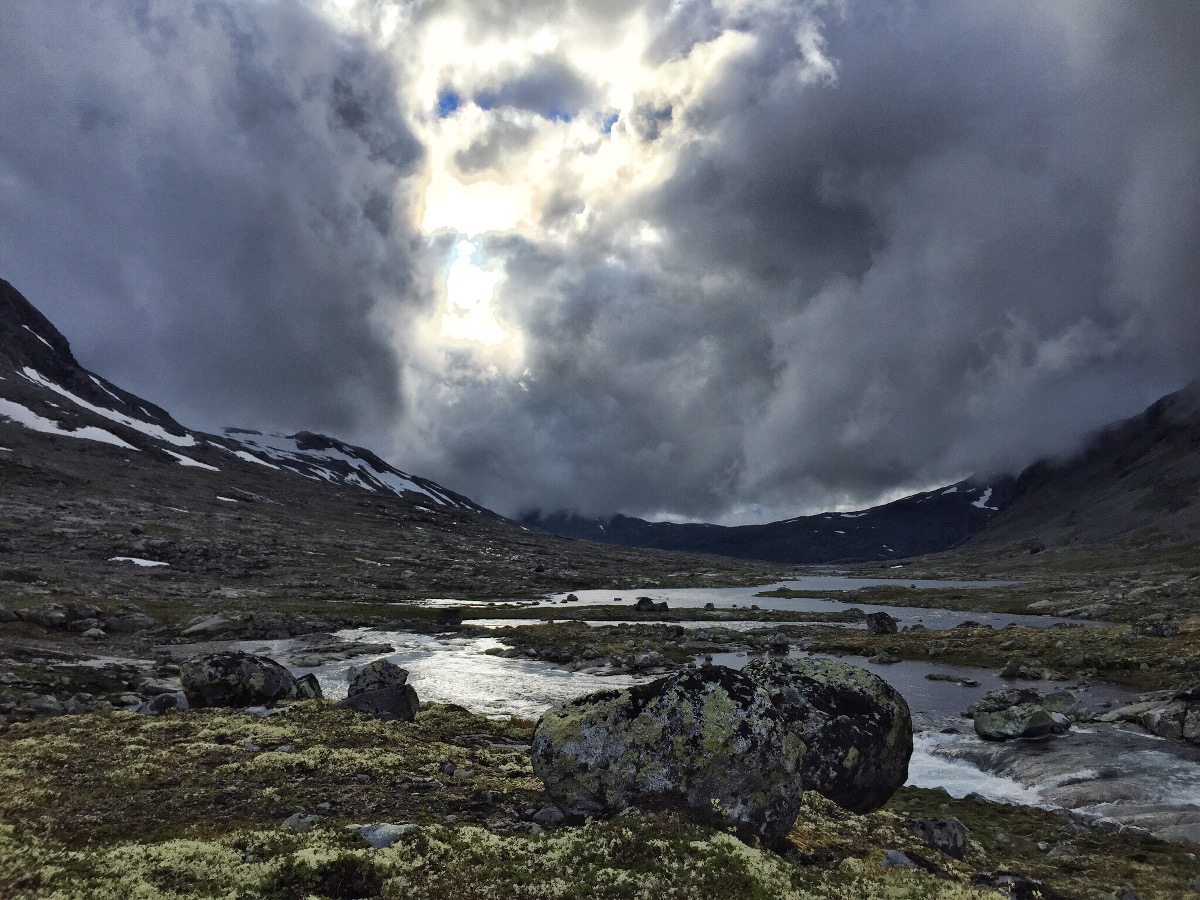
column 375, row 676
column 1017, row 713
column 381, row 689
column 708, row 741
column 855, row 727
column 234, row 678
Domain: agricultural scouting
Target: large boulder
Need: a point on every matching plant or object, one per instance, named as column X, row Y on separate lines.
column 856, row 727
column 880, row 623
column 233, row 678
column 708, row 741
column 381, row 689
column 1017, row 713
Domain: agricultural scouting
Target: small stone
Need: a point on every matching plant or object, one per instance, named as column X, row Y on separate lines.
column 384, row 834
column 1125, row 893
column 300, row 822
column 94, row 634
column 897, row 858
column 549, row 817
column 250, row 747
column 1065, row 850
column 948, row 835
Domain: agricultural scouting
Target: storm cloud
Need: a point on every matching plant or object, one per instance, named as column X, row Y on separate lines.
column 759, row 257
column 203, row 196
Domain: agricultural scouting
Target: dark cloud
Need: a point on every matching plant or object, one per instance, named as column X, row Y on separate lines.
column 973, row 244
column 201, row 195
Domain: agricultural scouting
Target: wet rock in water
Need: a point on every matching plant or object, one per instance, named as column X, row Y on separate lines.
column 948, row 835
column 234, row 678
column 1017, row 713
column 953, row 679
column 381, row 690
column 880, row 623
column 856, row 727
column 1016, row 887
column 708, row 741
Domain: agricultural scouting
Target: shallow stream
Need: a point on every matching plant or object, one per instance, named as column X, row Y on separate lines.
column 1101, row 770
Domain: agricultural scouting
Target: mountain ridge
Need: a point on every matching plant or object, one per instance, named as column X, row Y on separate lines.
column 42, row 370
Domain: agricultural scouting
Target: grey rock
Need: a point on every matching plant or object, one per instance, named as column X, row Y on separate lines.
column 46, row 705
column 646, row 604
column 152, row 687
column 233, row 678
column 300, row 822
column 160, row 703
column 948, row 835
column 1016, row 887
column 128, row 622
column 6, row 616
column 388, row 704
column 384, row 834
column 1125, row 893
column 1017, row 713
column 308, row 688
column 880, row 623
column 375, row 676
column 549, row 817
column 51, row 616
column 207, row 625
column 898, row 859
column 856, row 727
column 94, row 634
column 708, row 741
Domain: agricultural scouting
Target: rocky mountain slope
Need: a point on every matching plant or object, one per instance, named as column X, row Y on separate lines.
column 927, row 522
column 1137, row 480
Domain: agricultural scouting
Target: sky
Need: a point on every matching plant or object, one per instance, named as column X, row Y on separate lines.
column 723, row 260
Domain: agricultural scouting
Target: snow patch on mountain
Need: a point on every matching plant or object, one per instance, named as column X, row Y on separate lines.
column 983, row 500
column 326, row 459
column 188, row 461
column 150, row 430
column 15, row 412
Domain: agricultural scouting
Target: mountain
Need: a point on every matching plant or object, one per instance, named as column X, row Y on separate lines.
column 106, row 496
column 41, row 372
column 1136, row 480
column 921, row 523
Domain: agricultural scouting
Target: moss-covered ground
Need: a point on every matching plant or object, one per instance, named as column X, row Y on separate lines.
column 193, row 805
